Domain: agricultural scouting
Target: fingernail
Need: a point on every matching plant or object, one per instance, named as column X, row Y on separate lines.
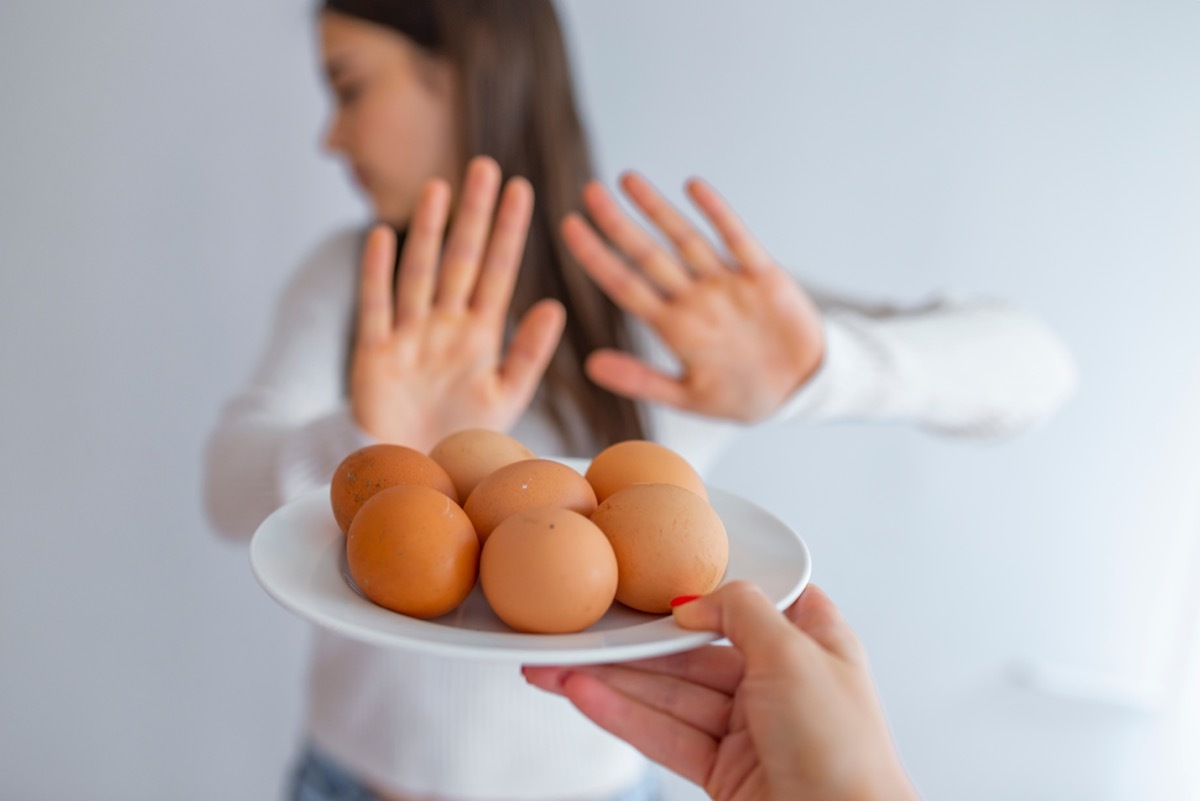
column 680, row 600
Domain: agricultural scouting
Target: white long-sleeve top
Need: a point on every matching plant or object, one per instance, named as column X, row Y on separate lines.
column 425, row 725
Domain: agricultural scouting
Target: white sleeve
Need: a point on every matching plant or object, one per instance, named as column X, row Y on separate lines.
column 286, row 431
column 973, row 368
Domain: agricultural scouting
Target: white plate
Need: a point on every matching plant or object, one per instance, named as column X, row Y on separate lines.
column 298, row 555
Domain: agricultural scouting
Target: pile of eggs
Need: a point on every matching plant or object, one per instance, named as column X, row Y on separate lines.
column 551, row 549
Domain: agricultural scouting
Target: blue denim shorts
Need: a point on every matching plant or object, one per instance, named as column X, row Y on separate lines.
column 319, row 778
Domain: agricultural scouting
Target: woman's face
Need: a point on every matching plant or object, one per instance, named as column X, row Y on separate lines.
column 394, row 118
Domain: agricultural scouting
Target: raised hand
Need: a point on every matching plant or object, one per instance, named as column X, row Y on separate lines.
column 429, row 356
column 744, row 332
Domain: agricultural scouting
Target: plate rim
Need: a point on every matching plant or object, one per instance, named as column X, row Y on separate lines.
column 682, row 640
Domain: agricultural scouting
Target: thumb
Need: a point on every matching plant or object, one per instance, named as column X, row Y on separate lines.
column 815, row 614
column 741, row 612
column 532, row 347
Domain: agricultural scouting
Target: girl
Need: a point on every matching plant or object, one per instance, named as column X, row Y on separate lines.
column 508, row 308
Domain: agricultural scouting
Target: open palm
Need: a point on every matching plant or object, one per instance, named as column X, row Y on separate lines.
column 745, row 334
column 429, row 357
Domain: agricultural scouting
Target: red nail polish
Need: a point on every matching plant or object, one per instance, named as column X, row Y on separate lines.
column 682, row 599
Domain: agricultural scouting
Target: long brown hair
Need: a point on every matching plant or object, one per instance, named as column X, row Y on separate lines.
column 518, row 106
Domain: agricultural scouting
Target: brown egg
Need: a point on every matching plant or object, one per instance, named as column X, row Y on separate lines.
column 668, row 541
column 412, row 550
column 377, row 467
column 637, row 461
column 470, row 455
column 527, row 485
column 548, row 571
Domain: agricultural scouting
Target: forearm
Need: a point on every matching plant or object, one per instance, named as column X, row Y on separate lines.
column 965, row 369
column 253, row 464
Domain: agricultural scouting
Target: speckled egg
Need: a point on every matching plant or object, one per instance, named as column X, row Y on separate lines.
column 369, row 470
column 471, row 455
column 527, row 485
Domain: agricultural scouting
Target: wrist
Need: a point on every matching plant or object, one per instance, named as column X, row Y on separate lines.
column 391, row 432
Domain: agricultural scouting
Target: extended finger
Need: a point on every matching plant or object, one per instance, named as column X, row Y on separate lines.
column 629, row 237
column 632, row 378
column 696, row 705
column 468, row 233
column 498, row 276
column 375, row 287
column 627, row 289
column 717, row 667
column 531, row 349
column 418, row 263
column 667, row 740
column 742, row 245
column 695, row 249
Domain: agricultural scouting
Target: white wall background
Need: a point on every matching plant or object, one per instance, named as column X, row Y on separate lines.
column 1025, row 603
